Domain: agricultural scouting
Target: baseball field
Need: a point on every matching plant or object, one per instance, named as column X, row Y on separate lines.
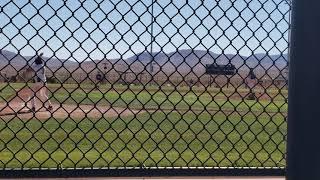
column 135, row 126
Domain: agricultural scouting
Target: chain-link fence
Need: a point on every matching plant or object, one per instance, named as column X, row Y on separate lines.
column 143, row 84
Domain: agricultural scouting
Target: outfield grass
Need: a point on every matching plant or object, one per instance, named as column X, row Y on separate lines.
column 137, row 97
column 212, row 134
column 159, row 139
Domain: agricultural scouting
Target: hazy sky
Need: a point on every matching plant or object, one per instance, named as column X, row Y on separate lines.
column 83, row 29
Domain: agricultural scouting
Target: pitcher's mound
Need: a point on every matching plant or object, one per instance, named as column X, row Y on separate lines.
column 64, row 111
column 18, row 106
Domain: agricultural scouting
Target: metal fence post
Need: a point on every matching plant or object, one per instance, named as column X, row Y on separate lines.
column 304, row 93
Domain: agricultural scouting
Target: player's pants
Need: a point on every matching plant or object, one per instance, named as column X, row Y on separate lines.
column 41, row 88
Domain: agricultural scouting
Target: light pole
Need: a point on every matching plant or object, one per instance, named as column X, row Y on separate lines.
column 152, row 40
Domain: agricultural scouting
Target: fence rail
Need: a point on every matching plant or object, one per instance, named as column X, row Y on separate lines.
column 121, row 88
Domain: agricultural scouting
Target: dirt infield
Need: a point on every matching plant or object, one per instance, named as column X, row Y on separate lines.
column 20, row 104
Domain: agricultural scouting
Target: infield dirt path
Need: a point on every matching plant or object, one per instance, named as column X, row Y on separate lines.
column 19, row 106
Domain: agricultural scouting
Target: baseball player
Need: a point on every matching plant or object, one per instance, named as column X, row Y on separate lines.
column 40, row 84
column 251, row 82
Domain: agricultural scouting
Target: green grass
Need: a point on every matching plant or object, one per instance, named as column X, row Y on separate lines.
column 159, row 139
column 212, row 134
column 137, row 97
column 167, row 99
column 161, row 100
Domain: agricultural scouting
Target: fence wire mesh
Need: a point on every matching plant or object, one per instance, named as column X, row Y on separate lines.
column 143, row 84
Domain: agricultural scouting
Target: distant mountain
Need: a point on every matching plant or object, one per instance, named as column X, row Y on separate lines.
column 182, row 61
column 188, row 60
column 12, row 63
column 9, row 58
